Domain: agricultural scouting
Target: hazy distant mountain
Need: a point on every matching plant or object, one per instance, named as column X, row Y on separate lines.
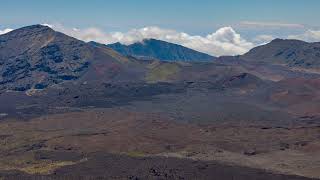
column 293, row 53
column 161, row 50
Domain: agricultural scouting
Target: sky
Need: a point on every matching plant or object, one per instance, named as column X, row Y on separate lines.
column 217, row 27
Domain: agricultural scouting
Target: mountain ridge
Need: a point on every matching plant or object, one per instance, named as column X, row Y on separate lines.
column 290, row 52
column 161, row 50
column 37, row 56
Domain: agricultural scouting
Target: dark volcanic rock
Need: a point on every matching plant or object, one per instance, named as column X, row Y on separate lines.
column 156, row 49
column 37, row 57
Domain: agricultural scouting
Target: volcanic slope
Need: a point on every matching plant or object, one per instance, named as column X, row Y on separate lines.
column 36, row 57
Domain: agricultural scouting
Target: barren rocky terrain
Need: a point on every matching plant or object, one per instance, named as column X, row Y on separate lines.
column 76, row 110
column 65, row 143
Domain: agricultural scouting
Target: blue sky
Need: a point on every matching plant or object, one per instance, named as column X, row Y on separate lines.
column 195, row 23
column 200, row 16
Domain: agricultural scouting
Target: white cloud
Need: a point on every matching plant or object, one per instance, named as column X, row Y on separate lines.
column 225, row 41
column 309, row 35
column 5, row 31
column 256, row 24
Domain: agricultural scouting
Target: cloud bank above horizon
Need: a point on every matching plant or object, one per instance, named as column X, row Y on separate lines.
column 224, row 41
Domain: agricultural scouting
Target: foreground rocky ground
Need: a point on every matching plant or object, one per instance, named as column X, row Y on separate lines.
column 120, row 144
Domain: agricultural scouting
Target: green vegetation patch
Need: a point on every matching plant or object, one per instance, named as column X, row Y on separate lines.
column 45, row 168
column 162, row 72
column 135, row 154
column 26, row 163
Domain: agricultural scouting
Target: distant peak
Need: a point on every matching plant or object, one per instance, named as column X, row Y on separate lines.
column 161, row 50
column 150, row 39
column 33, row 29
column 278, row 40
column 36, row 27
column 118, row 43
column 94, row 43
column 153, row 40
